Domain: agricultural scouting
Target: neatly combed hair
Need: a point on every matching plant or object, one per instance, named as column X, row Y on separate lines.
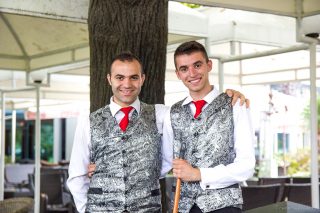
column 126, row 56
column 188, row 48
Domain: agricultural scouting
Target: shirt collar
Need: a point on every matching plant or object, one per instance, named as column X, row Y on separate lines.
column 114, row 107
column 208, row 98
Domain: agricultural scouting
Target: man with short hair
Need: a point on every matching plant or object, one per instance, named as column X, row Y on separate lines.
column 125, row 145
column 212, row 140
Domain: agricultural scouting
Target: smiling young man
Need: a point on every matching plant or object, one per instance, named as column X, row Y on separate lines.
column 212, row 140
column 125, row 146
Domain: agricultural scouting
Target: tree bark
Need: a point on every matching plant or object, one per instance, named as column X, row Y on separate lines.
column 139, row 26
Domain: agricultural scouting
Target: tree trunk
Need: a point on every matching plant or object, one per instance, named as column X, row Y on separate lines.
column 139, row 26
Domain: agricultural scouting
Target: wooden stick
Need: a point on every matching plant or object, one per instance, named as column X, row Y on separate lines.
column 177, row 196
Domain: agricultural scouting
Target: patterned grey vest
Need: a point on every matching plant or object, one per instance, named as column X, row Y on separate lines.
column 206, row 141
column 127, row 163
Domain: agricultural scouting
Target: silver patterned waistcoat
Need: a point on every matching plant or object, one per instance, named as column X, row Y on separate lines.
column 205, row 142
column 127, row 163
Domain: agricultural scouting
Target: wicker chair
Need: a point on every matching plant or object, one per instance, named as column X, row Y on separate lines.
column 298, row 193
column 301, row 180
column 16, row 205
column 260, row 195
column 274, row 180
column 16, row 175
column 52, row 185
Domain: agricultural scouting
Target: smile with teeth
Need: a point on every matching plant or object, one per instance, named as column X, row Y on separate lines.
column 126, row 92
column 195, row 81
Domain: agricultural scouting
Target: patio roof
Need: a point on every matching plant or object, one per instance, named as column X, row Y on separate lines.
column 47, row 34
column 283, row 7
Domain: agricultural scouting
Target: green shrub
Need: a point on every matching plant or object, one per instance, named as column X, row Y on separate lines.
column 298, row 164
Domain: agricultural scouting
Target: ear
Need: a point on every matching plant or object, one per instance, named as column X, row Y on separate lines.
column 108, row 79
column 178, row 74
column 209, row 63
column 143, row 77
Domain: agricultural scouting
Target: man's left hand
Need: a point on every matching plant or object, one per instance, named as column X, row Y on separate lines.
column 237, row 95
column 91, row 169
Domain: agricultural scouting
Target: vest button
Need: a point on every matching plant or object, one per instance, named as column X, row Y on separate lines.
column 123, row 151
column 125, row 165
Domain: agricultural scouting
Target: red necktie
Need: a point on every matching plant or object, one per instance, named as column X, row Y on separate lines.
column 125, row 120
column 199, row 104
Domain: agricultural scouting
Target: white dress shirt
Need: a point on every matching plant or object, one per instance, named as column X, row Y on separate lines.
column 221, row 175
column 78, row 181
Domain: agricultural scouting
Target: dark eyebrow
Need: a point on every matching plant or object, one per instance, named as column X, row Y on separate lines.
column 123, row 76
column 183, row 66
column 135, row 75
column 197, row 62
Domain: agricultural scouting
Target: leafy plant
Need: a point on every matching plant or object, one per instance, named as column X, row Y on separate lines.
column 297, row 164
column 191, row 5
column 7, row 159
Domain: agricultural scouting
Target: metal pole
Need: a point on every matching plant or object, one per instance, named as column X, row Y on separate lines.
column 18, row 90
column 207, row 45
column 314, row 128
column 37, row 154
column 2, row 151
column 313, row 104
column 220, row 73
column 13, row 135
column 264, row 53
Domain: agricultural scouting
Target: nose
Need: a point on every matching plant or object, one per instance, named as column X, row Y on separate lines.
column 192, row 71
column 126, row 82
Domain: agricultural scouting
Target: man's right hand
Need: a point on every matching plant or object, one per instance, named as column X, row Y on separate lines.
column 91, row 169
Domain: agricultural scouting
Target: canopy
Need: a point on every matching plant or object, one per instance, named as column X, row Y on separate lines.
column 47, row 34
column 283, row 7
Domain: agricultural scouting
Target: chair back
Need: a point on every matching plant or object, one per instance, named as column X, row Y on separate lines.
column 260, row 195
column 274, row 180
column 18, row 173
column 298, row 193
column 301, row 180
column 51, row 184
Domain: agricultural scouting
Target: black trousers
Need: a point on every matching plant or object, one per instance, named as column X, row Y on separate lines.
column 196, row 209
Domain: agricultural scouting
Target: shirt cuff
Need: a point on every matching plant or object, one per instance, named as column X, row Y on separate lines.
column 210, row 177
